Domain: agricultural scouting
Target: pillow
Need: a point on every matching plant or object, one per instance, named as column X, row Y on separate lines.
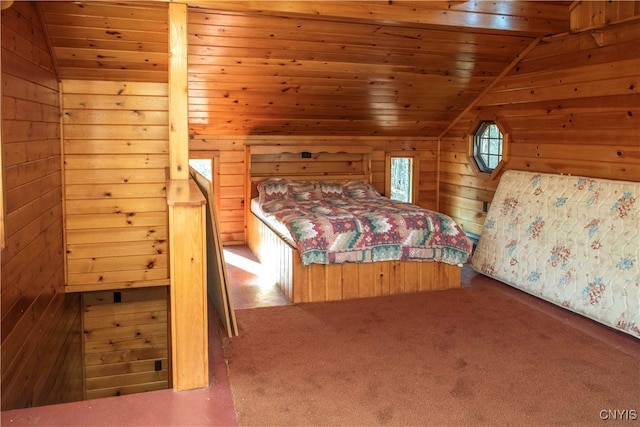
column 331, row 190
column 360, row 190
column 273, row 189
column 305, row 191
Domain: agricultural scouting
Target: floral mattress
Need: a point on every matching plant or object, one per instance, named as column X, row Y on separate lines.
column 570, row 240
column 351, row 222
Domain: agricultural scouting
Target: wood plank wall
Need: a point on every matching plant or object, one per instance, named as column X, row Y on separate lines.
column 116, row 155
column 41, row 339
column 587, row 15
column 125, row 341
column 571, row 106
column 232, row 179
column 295, row 80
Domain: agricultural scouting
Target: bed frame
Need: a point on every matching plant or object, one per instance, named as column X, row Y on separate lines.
column 329, row 282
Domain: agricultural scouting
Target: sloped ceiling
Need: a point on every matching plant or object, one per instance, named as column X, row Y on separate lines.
column 375, row 67
column 108, row 40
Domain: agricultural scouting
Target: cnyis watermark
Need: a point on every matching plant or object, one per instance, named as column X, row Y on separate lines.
column 618, row 414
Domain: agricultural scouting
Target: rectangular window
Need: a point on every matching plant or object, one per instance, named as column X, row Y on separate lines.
column 401, row 177
column 207, row 164
column 204, row 166
column 401, row 182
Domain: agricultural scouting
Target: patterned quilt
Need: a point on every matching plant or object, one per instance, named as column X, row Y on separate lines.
column 351, row 222
column 573, row 241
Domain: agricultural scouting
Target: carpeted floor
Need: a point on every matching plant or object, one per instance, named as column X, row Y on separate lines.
column 471, row 356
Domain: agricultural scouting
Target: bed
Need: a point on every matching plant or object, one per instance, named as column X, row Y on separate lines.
column 308, row 276
column 573, row 241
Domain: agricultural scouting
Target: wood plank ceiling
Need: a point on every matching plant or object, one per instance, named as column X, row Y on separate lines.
column 315, row 68
column 108, row 40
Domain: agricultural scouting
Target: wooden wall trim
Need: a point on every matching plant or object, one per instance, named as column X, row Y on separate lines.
column 47, row 37
column 65, row 265
column 183, row 193
column 294, row 147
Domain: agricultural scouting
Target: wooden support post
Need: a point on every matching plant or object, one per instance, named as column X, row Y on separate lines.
column 188, row 263
column 187, row 225
column 178, row 93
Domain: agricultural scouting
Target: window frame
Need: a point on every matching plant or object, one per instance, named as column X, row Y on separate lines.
column 415, row 173
column 471, row 153
column 483, row 158
column 214, row 156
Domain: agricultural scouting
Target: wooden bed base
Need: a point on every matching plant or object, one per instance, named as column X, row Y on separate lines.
column 320, row 282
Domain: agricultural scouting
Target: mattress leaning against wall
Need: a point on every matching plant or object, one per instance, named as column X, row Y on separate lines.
column 573, row 241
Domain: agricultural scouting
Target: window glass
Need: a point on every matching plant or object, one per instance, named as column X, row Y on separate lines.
column 203, row 166
column 401, row 178
column 487, row 150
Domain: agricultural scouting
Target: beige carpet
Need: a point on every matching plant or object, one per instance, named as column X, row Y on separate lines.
column 473, row 356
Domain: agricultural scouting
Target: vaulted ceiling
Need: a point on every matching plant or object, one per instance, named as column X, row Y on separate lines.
column 391, row 67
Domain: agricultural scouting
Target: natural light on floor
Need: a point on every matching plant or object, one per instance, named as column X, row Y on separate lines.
column 267, row 276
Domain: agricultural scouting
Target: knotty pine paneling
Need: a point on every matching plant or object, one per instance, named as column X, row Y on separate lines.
column 299, row 80
column 572, row 106
column 41, row 353
column 527, row 18
column 231, row 181
column 597, row 13
column 116, row 155
column 125, row 341
column 233, row 168
column 102, row 41
column 256, row 74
